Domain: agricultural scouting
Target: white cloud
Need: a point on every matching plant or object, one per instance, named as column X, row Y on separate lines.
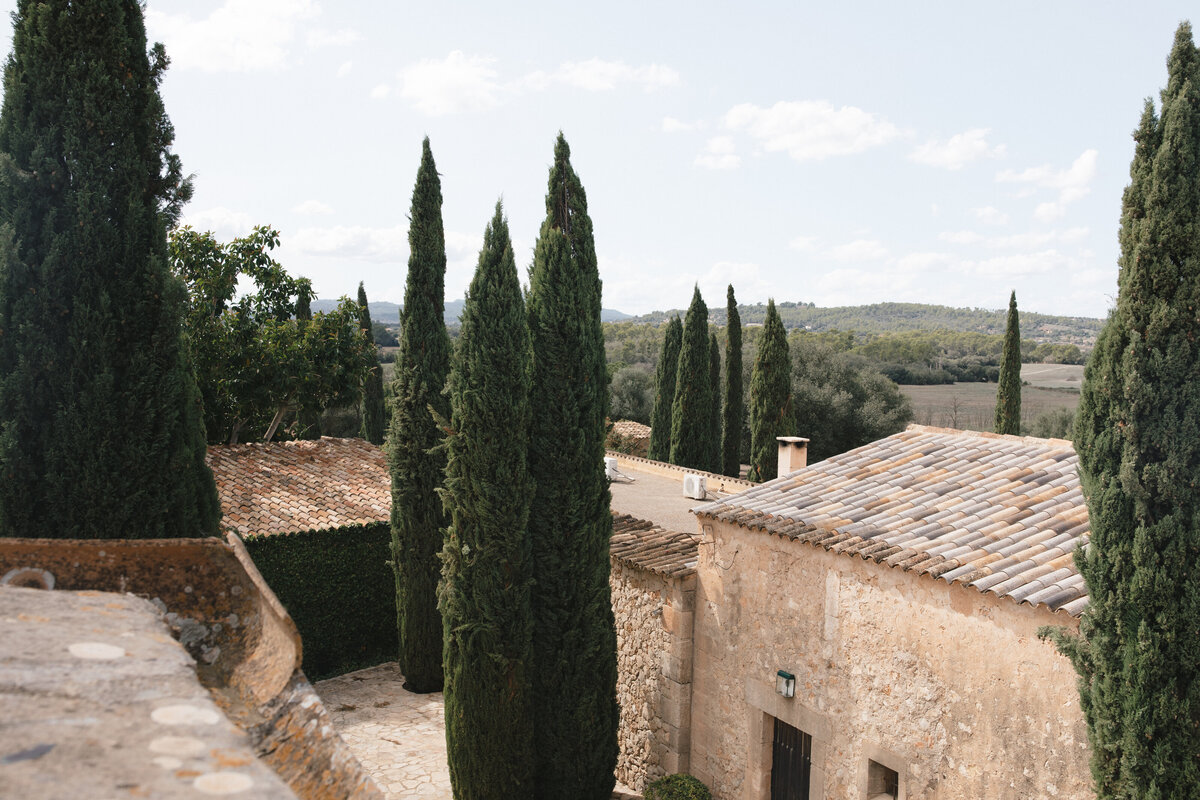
column 455, row 84
column 811, row 130
column 220, row 220
column 957, row 151
column 719, row 153
column 1016, row 264
column 923, row 262
column 345, row 69
column 858, row 250
column 319, row 37
column 672, row 125
column 636, row 285
column 1071, row 183
column 990, row 215
column 1016, row 241
column 354, row 242
column 313, row 208
column 598, row 75
column 380, row 91
column 960, row 237
column 239, row 36
column 805, row 244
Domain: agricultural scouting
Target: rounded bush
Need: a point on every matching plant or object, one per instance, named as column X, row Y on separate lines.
column 677, row 787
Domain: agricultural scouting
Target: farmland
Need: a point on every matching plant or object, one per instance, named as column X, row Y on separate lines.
column 1046, row 387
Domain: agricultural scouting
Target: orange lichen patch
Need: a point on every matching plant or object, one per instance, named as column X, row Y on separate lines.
column 227, row 760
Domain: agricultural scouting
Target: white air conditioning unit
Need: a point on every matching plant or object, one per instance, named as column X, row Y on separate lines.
column 610, row 467
column 695, row 487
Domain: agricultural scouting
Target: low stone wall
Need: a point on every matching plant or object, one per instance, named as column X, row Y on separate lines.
column 716, row 483
column 654, row 654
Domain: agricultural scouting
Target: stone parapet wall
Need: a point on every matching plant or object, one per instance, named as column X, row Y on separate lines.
column 716, row 483
column 654, row 672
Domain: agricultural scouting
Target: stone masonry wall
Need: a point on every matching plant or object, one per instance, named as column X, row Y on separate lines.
column 947, row 686
column 654, row 646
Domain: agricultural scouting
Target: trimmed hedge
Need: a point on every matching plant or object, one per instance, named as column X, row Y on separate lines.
column 341, row 592
column 679, row 786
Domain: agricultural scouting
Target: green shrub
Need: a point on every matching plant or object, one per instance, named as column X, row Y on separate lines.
column 677, row 787
column 338, row 588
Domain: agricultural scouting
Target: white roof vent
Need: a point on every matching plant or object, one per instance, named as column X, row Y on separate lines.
column 695, row 486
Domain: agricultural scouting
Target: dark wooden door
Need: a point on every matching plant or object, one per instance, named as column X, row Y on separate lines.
column 791, row 761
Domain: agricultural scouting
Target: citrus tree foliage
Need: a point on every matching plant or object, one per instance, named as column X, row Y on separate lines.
column 99, row 422
column 1137, row 432
column 254, row 361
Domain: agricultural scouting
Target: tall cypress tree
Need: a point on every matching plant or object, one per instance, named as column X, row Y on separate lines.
column 308, row 418
column 100, row 426
column 1138, row 655
column 487, row 573
column 690, row 425
column 664, row 392
column 1008, row 392
column 416, row 464
column 372, row 403
column 770, row 397
column 714, row 408
column 733, row 412
column 574, row 678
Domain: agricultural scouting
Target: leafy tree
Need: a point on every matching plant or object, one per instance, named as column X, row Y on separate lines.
column 417, row 465
column 733, row 411
column 1137, row 436
column 372, row 405
column 574, row 677
column 840, row 401
column 770, row 398
column 308, row 419
column 383, row 336
column 1056, row 424
column 100, row 430
column 254, row 361
column 691, row 424
column 484, row 596
column 632, row 394
column 664, row 391
column 1008, row 393
column 714, row 408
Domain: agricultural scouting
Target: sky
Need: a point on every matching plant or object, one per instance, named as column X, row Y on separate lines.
column 833, row 153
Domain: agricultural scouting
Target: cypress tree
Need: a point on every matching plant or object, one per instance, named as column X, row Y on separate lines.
column 770, row 398
column 574, row 675
column 1138, row 439
column 690, row 413
column 485, row 591
column 372, row 404
column 734, row 410
column 664, row 392
column 1008, row 392
column 417, row 466
column 714, row 408
column 308, row 418
column 100, row 425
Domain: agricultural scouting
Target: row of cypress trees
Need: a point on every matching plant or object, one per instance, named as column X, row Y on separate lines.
column 525, row 630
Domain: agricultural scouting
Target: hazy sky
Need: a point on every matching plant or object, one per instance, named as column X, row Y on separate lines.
column 838, row 153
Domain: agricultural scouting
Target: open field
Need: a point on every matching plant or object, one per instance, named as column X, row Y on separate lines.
column 972, row 405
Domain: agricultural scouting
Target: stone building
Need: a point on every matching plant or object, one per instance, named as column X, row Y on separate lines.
column 899, row 588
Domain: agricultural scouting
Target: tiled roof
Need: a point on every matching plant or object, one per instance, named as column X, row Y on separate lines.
column 644, row 545
column 630, row 429
column 1002, row 514
column 283, row 487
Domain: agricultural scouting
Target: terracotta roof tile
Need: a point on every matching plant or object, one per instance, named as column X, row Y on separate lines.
column 1003, row 514
column 642, row 544
column 282, row 487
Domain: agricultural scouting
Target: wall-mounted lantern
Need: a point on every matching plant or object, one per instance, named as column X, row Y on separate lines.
column 785, row 683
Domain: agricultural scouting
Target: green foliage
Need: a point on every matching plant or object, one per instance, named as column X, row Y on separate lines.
column 372, row 404
column 664, row 391
column 1056, row 424
column 1138, row 438
column 733, row 412
column 416, row 463
column 1008, row 393
column 308, row 418
column 714, row 407
column 574, row 675
column 770, row 399
column 679, row 786
column 100, row 430
column 334, row 583
column 840, row 402
column 253, row 361
column 383, row 336
column 691, row 426
column 487, row 575
column 632, row 393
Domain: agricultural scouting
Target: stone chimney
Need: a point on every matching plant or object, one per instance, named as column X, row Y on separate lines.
column 793, row 454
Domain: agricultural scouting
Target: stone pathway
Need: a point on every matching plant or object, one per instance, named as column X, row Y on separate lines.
column 399, row 737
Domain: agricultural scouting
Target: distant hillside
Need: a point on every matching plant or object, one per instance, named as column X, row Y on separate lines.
column 389, row 313
column 897, row 317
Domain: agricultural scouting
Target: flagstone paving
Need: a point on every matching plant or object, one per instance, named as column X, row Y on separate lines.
column 399, row 737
